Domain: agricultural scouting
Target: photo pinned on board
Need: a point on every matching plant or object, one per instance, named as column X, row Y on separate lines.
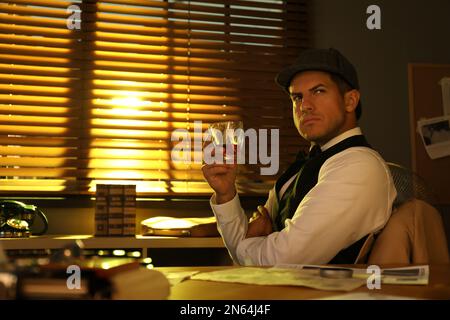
column 435, row 133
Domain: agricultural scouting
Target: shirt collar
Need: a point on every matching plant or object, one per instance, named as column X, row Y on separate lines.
column 347, row 134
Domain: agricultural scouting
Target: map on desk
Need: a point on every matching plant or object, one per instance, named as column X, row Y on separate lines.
column 280, row 276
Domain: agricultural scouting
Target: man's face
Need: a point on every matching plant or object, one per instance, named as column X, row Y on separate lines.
column 319, row 110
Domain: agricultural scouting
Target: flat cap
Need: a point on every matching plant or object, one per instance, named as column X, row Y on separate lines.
column 328, row 60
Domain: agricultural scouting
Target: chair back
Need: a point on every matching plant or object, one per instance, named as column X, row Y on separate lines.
column 410, row 185
column 414, row 234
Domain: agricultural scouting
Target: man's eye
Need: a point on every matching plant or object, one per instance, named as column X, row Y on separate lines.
column 319, row 90
column 297, row 99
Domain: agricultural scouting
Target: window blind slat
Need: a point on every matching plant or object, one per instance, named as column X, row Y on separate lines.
column 179, row 32
column 246, row 3
column 202, row 20
column 61, row 4
column 30, row 10
column 191, row 11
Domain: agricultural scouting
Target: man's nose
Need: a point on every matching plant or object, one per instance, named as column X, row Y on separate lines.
column 306, row 105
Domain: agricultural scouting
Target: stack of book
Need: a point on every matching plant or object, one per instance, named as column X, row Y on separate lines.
column 96, row 278
column 115, row 210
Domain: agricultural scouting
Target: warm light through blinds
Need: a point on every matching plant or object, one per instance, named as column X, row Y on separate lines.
column 99, row 104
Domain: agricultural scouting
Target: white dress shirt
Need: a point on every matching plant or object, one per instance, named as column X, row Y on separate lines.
column 352, row 198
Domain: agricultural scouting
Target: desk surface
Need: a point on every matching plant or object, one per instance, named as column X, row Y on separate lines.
column 89, row 241
column 438, row 288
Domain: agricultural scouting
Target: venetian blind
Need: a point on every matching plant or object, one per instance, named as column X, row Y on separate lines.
column 99, row 104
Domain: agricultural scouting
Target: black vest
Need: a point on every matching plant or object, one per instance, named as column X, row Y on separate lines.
column 308, row 172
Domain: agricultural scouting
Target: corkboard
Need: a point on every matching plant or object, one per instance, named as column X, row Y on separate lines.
column 425, row 101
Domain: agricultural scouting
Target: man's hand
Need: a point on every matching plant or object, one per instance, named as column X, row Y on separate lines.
column 221, row 177
column 260, row 224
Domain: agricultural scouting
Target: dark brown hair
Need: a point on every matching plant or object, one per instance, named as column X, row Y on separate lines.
column 344, row 87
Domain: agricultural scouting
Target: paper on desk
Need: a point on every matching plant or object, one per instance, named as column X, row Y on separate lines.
column 176, row 277
column 365, row 296
column 140, row 284
column 413, row 275
column 279, row 276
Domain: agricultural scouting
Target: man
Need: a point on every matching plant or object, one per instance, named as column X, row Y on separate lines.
column 325, row 205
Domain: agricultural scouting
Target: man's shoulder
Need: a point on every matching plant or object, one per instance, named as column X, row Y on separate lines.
column 359, row 155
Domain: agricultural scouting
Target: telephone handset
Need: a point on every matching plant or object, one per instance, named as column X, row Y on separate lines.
column 16, row 218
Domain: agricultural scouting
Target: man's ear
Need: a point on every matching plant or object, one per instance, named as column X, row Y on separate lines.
column 351, row 99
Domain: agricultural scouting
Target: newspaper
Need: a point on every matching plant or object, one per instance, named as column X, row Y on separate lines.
column 412, row 275
column 281, row 276
column 417, row 275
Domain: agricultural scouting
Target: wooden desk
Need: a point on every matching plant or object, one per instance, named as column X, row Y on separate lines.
column 438, row 288
column 89, row 241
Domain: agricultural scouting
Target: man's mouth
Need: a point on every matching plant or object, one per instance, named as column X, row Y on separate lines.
column 309, row 120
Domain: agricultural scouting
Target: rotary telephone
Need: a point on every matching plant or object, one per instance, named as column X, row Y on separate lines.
column 16, row 218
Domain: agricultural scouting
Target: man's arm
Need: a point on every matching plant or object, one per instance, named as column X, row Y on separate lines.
column 232, row 221
column 352, row 198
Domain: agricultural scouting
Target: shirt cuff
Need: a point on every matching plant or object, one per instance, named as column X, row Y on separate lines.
column 227, row 211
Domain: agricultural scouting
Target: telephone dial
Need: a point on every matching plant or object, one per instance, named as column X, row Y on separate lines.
column 16, row 218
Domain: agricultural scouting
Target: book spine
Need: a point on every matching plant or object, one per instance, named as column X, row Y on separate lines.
column 129, row 210
column 115, row 210
column 101, row 210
